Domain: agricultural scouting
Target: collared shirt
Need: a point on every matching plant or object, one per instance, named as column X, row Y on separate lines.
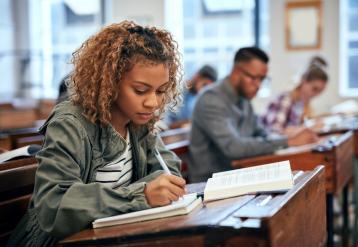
column 225, row 128
column 283, row 112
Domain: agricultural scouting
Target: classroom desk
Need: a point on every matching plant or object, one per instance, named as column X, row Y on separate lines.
column 177, row 140
column 23, row 136
column 347, row 124
column 338, row 161
column 10, row 164
column 294, row 218
column 5, row 142
column 16, row 186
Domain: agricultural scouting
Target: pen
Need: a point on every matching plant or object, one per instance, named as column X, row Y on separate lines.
column 161, row 161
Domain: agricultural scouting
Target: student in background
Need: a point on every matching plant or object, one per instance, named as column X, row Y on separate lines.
column 98, row 155
column 63, row 93
column 289, row 109
column 205, row 76
column 224, row 125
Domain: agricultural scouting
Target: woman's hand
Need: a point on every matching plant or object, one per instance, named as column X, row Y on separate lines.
column 301, row 137
column 164, row 189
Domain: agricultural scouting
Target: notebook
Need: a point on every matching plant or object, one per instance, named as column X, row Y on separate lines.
column 273, row 177
column 184, row 205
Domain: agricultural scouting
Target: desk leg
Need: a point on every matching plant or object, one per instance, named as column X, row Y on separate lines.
column 345, row 209
column 329, row 200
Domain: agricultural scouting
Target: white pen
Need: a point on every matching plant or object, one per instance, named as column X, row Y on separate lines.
column 161, row 161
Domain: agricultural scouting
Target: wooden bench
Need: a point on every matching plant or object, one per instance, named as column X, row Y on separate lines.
column 16, row 186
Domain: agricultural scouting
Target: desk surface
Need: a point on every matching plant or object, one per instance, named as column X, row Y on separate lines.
column 346, row 124
column 295, row 217
column 337, row 159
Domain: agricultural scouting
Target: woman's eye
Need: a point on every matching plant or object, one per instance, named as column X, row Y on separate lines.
column 160, row 92
column 139, row 91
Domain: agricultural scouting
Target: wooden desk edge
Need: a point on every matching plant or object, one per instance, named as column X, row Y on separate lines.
column 301, row 183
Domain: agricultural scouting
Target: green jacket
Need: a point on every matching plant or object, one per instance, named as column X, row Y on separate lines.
column 66, row 199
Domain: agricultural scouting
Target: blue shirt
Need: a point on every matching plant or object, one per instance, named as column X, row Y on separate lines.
column 185, row 111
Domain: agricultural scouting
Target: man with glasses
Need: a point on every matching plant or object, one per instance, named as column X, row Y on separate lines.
column 224, row 125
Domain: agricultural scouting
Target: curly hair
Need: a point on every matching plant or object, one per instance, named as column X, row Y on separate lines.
column 102, row 60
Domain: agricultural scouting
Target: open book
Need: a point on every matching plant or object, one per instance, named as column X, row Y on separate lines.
column 29, row 150
column 272, row 177
column 184, row 205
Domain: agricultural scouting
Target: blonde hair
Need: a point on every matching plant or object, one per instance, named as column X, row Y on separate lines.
column 103, row 59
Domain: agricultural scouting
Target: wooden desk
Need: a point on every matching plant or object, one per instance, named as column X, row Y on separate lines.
column 17, row 118
column 5, row 142
column 347, row 124
column 294, row 218
column 175, row 135
column 177, row 140
column 24, row 136
column 10, row 164
column 16, row 187
column 338, row 162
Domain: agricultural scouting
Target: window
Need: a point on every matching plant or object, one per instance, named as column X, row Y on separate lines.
column 39, row 38
column 215, row 30
column 349, row 48
column 7, row 51
column 72, row 22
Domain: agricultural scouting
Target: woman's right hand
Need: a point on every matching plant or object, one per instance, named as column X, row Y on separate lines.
column 301, row 137
column 164, row 189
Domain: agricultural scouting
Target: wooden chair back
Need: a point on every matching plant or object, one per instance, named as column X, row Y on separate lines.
column 16, row 187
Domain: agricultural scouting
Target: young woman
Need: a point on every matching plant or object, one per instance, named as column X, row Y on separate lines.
column 290, row 108
column 98, row 157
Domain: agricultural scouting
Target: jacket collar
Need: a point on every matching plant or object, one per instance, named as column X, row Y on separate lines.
column 229, row 91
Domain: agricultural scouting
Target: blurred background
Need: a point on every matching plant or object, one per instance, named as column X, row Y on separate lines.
column 39, row 36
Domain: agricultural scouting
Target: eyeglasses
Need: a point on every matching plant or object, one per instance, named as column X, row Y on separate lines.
column 255, row 78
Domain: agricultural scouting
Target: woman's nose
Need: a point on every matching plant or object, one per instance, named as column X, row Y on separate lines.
column 151, row 101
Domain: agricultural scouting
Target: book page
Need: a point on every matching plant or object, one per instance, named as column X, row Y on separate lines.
column 23, row 151
column 264, row 178
column 247, row 169
column 252, row 175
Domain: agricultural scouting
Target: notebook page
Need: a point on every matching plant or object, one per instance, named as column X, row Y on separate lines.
column 181, row 203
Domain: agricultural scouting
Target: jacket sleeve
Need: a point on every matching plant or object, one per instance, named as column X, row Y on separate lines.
column 172, row 161
column 64, row 203
column 213, row 117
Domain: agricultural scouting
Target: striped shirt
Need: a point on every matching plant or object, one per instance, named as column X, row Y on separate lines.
column 118, row 172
